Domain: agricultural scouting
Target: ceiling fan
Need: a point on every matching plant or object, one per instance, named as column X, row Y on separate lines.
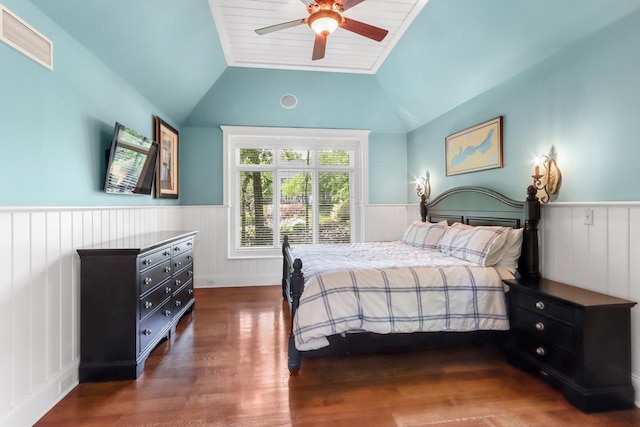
column 325, row 16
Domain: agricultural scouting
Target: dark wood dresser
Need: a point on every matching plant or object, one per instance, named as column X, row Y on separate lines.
column 577, row 340
column 133, row 292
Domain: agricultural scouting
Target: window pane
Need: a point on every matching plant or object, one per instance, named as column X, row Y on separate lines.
column 334, row 158
column 256, row 209
column 335, row 207
column 256, row 156
column 296, row 158
column 296, row 216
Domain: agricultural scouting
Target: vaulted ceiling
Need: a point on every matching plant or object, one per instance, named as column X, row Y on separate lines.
column 172, row 51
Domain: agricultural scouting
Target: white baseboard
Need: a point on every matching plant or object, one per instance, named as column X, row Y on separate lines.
column 30, row 410
column 235, row 281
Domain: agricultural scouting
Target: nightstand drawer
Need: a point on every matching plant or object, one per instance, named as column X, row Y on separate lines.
column 545, row 327
column 545, row 307
column 547, row 354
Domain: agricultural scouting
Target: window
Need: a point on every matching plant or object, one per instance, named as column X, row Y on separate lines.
column 304, row 183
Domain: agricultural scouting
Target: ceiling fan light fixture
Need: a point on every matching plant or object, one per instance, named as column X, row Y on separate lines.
column 324, row 22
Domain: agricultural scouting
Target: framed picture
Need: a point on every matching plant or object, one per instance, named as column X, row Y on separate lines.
column 167, row 165
column 475, row 149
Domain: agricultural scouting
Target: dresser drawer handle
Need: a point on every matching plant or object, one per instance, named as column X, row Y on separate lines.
column 147, row 261
column 147, row 332
column 178, row 282
column 167, row 269
column 177, row 263
column 190, row 273
column 178, row 303
column 540, row 305
column 189, row 243
column 167, row 290
column 190, row 291
column 540, row 326
column 148, row 304
column 177, row 248
column 148, row 280
column 167, row 253
column 540, row 351
column 189, row 256
column 167, row 313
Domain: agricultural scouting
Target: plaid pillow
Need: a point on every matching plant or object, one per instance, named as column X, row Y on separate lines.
column 425, row 235
column 481, row 245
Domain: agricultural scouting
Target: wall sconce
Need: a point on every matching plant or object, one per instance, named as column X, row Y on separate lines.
column 546, row 176
column 423, row 186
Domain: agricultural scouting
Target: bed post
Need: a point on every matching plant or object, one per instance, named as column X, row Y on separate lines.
column 285, row 266
column 530, row 243
column 296, row 283
column 423, row 208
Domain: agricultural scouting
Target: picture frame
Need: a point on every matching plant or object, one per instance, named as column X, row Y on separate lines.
column 475, row 149
column 167, row 171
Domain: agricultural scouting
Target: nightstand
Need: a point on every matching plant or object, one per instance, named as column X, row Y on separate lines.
column 577, row 340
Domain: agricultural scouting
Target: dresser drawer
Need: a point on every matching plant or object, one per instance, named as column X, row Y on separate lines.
column 545, row 327
column 150, row 278
column 544, row 353
column 182, row 277
column 181, row 298
column 151, row 259
column 182, row 259
column 154, row 325
column 154, row 299
column 183, row 246
column 544, row 306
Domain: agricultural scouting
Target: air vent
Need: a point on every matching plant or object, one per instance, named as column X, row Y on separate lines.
column 23, row 37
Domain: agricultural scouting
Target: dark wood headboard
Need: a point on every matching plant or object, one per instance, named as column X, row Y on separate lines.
column 481, row 206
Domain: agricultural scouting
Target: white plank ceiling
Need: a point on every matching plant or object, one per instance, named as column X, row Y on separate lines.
column 237, row 20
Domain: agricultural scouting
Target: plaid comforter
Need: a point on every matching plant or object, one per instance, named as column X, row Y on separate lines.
column 453, row 296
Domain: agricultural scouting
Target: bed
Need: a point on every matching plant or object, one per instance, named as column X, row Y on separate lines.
column 440, row 285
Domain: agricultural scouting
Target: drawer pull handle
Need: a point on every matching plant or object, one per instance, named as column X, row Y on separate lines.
column 146, row 261
column 189, row 256
column 540, row 351
column 147, row 332
column 148, row 280
column 190, row 291
column 178, row 263
column 167, row 253
column 178, row 303
column 177, row 248
column 178, row 282
column 540, row 326
column 190, row 273
column 148, row 304
column 167, row 313
column 167, row 290
column 167, row 269
column 540, row 305
column 189, row 243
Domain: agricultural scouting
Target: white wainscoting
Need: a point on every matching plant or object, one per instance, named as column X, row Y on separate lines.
column 603, row 256
column 39, row 296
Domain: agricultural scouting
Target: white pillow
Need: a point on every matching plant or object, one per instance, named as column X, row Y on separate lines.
column 481, row 245
column 511, row 250
column 425, row 235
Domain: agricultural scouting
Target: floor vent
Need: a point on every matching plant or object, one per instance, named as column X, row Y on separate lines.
column 23, row 37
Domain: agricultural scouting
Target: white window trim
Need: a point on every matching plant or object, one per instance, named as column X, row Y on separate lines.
column 236, row 135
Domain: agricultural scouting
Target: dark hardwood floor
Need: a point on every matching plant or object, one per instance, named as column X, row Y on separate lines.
column 226, row 366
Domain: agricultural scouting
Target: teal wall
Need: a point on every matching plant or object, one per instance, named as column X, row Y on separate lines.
column 56, row 125
column 585, row 102
column 251, row 97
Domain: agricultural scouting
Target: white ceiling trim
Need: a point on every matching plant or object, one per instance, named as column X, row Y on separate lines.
column 236, row 21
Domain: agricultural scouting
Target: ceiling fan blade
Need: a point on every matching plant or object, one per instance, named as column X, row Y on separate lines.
column 278, row 27
column 319, row 47
column 307, row 2
column 348, row 4
column 375, row 33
